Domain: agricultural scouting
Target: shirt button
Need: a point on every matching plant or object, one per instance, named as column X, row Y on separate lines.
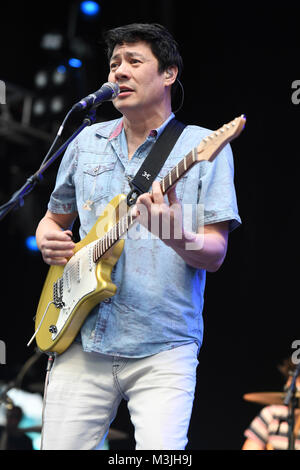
column 107, row 301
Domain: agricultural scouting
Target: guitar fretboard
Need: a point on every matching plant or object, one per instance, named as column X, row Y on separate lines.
column 126, row 221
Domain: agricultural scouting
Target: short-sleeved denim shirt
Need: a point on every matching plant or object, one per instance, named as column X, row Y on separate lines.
column 159, row 299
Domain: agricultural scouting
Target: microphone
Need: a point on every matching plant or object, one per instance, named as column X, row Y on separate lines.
column 107, row 92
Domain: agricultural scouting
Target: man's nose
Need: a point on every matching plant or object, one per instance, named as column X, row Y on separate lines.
column 122, row 71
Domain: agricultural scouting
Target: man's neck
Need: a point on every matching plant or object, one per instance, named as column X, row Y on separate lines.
column 137, row 130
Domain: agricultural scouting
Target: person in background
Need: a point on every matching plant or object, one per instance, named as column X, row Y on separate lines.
column 269, row 429
column 11, row 436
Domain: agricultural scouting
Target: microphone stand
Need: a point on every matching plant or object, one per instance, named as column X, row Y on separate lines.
column 17, row 198
column 291, row 401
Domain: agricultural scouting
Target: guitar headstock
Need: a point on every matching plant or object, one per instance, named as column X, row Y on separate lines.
column 211, row 145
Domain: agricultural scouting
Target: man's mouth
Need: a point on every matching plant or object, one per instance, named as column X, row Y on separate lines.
column 124, row 91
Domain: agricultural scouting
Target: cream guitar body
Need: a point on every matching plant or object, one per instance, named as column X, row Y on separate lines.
column 70, row 292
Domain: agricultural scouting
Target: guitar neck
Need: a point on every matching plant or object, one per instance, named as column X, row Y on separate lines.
column 126, row 221
column 178, row 171
column 113, row 235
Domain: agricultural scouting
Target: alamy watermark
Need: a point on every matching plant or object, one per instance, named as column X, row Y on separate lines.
column 296, row 94
column 2, row 352
column 2, row 92
column 296, row 354
column 156, row 225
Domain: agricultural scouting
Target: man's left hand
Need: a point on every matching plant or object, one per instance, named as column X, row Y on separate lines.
column 160, row 218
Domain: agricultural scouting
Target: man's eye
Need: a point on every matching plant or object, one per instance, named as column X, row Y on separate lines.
column 113, row 66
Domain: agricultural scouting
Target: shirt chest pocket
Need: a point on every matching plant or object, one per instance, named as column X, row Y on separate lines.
column 97, row 180
column 180, row 185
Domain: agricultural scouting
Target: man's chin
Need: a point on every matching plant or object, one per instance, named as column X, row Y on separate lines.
column 125, row 108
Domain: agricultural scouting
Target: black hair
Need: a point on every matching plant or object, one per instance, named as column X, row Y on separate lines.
column 162, row 44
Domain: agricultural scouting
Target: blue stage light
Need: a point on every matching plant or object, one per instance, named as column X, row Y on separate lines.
column 90, row 8
column 31, row 244
column 75, row 63
column 61, row 69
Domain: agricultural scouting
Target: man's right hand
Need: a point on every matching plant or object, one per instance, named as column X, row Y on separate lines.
column 57, row 247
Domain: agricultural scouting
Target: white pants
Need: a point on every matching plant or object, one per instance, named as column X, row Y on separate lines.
column 85, row 390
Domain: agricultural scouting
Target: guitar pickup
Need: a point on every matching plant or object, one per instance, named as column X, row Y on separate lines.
column 58, row 293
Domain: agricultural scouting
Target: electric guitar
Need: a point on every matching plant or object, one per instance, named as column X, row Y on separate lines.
column 70, row 292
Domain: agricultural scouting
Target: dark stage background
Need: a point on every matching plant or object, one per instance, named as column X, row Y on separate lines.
column 242, row 60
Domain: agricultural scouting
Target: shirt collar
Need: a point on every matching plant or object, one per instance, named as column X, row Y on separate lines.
column 109, row 132
column 156, row 132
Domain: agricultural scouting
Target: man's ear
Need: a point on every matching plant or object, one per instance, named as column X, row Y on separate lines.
column 171, row 74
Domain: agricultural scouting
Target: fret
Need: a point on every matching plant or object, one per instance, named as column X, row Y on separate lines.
column 175, row 174
column 119, row 229
column 164, row 185
column 131, row 218
column 166, row 182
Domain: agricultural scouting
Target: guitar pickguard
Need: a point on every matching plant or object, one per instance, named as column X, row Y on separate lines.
column 79, row 280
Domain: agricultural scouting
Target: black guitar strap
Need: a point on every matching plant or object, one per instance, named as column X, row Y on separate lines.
column 155, row 160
